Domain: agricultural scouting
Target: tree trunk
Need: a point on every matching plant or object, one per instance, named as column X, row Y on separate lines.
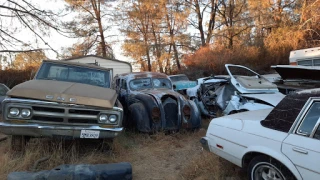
column 200, row 27
column 96, row 8
column 211, row 21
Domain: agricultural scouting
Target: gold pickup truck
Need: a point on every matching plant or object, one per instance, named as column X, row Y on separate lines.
column 68, row 100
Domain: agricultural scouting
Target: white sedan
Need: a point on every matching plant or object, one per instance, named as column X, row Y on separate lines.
column 276, row 143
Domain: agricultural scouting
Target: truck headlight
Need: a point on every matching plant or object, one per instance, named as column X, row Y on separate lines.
column 103, row 118
column 25, row 113
column 113, row 118
column 14, row 111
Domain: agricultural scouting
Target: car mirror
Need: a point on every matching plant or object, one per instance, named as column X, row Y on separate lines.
column 174, row 87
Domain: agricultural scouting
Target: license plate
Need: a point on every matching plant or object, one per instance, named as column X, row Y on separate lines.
column 89, row 134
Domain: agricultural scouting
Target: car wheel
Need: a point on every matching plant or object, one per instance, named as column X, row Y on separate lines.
column 267, row 168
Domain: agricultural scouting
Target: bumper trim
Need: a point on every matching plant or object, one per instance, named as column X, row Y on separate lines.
column 40, row 130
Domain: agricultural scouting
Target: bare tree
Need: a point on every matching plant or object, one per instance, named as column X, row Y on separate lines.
column 17, row 16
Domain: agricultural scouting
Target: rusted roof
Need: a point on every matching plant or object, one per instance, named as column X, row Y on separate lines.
column 135, row 75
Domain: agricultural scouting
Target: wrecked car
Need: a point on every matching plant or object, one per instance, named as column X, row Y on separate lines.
column 242, row 90
column 3, row 91
column 150, row 104
column 276, row 143
column 181, row 83
column 68, row 100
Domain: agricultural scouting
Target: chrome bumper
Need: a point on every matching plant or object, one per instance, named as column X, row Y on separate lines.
column 204, row 143
column 40, row 130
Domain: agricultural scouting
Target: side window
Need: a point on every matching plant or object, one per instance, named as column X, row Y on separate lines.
column 310, row 120
column 117, row 83
column 124, row 84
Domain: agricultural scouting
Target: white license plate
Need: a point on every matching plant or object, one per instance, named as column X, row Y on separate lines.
column 89, row 134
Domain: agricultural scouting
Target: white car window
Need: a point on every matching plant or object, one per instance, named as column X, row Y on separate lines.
column 310, row 120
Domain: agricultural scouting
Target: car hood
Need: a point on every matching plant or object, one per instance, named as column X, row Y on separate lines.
column 238, row 120
column 271, row 98
column 160, row 92
column 66, row 92
column 184, row 84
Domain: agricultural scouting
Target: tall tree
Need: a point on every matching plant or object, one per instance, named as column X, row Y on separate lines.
column 201, row 9
column 89, row 26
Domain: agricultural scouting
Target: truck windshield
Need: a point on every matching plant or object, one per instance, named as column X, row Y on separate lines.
column 77, row 74
column 148, row 83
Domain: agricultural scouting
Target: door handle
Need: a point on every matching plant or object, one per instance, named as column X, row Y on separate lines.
column 299, row 150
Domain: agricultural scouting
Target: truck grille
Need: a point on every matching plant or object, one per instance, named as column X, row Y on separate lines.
column 65, row 114
column 170, row 107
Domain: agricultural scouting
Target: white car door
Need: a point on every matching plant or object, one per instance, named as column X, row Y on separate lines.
column 302, row 146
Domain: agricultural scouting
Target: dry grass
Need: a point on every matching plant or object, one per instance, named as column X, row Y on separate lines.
column 160, row 156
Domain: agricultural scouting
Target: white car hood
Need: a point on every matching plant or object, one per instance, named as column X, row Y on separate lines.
column 272, row 98
column 236, row 121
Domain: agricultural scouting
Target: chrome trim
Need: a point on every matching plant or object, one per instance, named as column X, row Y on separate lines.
column 300, row 118
column 229, row 140
column 300, row 150
column 59, row 127
column 65, row 115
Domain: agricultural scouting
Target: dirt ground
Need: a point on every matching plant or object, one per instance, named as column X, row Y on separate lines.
column 160, row 156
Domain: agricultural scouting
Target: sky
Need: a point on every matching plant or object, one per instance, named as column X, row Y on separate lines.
column 58, row 41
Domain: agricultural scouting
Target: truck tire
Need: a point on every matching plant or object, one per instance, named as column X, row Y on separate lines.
column 265, row 167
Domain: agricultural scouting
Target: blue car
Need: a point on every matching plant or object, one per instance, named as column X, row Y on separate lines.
column 181, row 83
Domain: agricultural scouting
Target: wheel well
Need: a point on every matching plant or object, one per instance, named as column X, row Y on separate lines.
column 248, row 157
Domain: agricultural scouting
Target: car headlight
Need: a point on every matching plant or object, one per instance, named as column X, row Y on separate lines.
column 103, row 118
column 25, row 113
column 14, row 111
column 113, row 118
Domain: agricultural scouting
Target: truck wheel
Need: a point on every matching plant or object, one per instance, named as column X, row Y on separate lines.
column 264, row 167
column 18, row 143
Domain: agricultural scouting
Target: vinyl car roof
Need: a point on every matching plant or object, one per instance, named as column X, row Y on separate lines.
column 282, row 117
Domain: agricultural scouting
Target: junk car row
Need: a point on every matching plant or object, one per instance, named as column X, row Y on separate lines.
column 73, row 100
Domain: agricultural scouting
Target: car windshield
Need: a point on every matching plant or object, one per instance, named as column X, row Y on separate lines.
column 3, row 90
column 148, row 83
column 61, row 72
column 179, row 78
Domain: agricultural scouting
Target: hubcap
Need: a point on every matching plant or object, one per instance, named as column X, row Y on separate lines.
column 266, row 172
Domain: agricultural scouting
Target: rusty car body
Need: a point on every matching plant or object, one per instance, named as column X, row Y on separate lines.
column 69, row 100
column 150, row 103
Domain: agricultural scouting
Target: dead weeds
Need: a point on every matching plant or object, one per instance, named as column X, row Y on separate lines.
column 158, row 156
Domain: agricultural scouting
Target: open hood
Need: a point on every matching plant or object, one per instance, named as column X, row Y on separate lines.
column 65, row 92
